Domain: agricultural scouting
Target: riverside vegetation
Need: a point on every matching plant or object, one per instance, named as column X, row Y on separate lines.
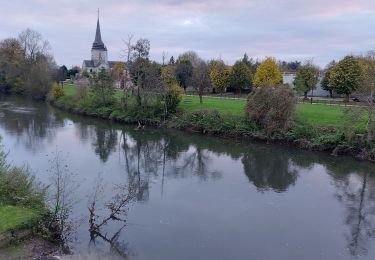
column 151, row 94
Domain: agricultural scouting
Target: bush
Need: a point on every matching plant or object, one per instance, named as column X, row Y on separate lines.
column 272, row 108
column 56, row 92
column 81, row 91
column 173, row 97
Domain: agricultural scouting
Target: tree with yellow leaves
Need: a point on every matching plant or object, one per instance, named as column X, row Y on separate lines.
column 220, row 75
column 268, row 73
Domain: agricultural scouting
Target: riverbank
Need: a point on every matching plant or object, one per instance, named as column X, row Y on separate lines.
column 24, row 228
column 316, row 127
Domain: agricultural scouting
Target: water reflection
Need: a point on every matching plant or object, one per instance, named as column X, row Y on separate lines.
column 154, row 155
column 28, row 121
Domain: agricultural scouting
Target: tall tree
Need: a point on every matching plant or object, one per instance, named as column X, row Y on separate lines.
column 268, row 74
column 347, row 76
column 219, row 75
column 306, row 79
column 102, row 88
column 201, row 79
column 184, row 73
column 325, row 81
column 241, row 76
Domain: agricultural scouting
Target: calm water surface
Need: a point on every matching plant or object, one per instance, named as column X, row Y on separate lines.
column 198, row 197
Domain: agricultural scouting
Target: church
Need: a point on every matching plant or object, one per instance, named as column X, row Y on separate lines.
column 99, row 55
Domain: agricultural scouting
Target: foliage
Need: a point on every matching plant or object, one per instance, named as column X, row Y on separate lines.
column 184, row 73
column 346, row 77
column 55, row 92
column 81, row 90
column 273, row 108
column 102, row 88
column 26, row 66
column 19, row 187
column 268, row 74
column 241, row 76
column 168, row 75
column 306, row 79
column 173, row 97
column 219, row 75
column 325, row 81
column 118, row 69
column 190, row 56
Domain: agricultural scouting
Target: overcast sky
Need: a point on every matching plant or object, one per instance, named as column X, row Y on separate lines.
column 321, row 30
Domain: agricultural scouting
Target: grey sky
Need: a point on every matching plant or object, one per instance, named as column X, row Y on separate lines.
column 321, row 30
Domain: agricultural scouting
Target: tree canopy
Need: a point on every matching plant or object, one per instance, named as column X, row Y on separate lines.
column 347, row 76
column 268, row 74
column 306, row 79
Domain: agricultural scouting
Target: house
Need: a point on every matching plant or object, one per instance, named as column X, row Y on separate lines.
column 289, row 77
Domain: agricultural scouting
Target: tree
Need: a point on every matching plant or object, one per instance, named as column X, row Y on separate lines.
column 118, row 71
column 325, row 80
column 139, row 65
column 306, row 79
column 201, row 79
column 73, row 72
column 168, row 75
column 268, row 74
column 102, row 88
column 367, row 91
column 253, row 65
column 191, row 56
column 346, row 77
column 184, row 73
column 219, row 75
column 241, row 76
column 128, row 47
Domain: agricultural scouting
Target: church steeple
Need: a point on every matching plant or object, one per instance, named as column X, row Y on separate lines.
column 98, row 43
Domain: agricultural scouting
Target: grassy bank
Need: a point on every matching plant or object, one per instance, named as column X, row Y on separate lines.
column 18, row 217
column 316, row 126
column 22, row 203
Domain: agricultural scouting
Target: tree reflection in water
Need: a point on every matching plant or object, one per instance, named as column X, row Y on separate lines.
column 355, row 189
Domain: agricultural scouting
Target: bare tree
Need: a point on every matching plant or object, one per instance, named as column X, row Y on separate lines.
column 33, row 44
column 164, row 56
column 201, row 79
column 128, row 47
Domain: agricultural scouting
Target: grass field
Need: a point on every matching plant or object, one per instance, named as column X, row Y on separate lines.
column 314, row 114
column 13, row 217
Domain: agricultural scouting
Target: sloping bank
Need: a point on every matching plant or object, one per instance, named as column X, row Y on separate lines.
column 25, row 229
column 211, row 122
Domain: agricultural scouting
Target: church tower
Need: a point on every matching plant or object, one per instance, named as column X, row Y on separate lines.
column 99, row 55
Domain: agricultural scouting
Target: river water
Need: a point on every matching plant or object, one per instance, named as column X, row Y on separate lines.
column 195, row 197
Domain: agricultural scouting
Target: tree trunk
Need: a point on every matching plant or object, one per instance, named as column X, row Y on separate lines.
column 305, row 94
column 200, row 98
column 346, row 98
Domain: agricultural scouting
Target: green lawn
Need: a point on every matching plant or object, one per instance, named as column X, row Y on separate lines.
column 319, row 115
column 13, row 217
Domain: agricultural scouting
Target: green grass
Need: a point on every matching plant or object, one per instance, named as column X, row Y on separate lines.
column 313, row 114
column 15, row 217
column 233, row 106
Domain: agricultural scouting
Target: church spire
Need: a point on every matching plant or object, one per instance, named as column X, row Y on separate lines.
column 98, row 43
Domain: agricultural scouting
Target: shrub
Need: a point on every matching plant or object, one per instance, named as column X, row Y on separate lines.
column 55, row 92
column 81, row 90
column 272, row 108
column 173, row 97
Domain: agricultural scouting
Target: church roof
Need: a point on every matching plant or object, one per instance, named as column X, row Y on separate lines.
column 98, row 43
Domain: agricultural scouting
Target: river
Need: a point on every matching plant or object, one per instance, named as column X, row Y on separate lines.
column 195, row 197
